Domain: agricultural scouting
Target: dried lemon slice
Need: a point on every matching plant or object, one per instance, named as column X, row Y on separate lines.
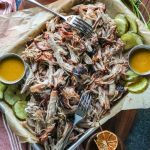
column 106, row 140
column 139, row 86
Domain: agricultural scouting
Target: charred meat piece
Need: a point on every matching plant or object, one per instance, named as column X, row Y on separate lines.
column 79, row 70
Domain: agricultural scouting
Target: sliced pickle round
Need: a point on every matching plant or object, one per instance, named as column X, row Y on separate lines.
column 139, row 86
column 132, row 24
column 131, row 76
column 19, row 109
column 122, row 24
column 2, row 89
column 10, row 97
column 131, row 39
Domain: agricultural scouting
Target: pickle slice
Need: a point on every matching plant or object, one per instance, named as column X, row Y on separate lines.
column 139, row 86
column 13, row 88
column 131, row 76
column 132, row 24
column 2, row 89
column 19, row 110
column 131, row 39
column 22, row 96
column 122, row 24
column 10, row 97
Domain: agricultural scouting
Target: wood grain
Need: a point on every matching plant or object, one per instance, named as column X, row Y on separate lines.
column 123, row 123
column 147, row 4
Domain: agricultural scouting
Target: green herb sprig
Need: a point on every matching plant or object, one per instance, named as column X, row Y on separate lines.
column 134, row 5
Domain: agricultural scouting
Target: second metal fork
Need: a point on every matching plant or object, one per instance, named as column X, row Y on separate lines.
column 72, row 20
column 80, row 113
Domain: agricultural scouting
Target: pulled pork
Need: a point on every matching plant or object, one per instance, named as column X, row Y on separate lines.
column 63, row 64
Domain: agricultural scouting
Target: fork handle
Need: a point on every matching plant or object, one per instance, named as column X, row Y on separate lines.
column 36, row 146
column 45, row 8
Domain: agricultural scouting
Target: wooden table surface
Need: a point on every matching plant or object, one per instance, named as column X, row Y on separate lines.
column 147, row 4
column 120, row 124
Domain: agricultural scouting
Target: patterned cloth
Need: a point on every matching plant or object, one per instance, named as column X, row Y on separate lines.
column 7, row 6
column 8, row 140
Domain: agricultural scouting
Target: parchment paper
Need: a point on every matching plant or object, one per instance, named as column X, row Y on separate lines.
column 17, row 28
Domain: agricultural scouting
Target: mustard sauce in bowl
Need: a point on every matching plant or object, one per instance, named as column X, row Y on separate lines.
column 12, row 68
column 139, row 59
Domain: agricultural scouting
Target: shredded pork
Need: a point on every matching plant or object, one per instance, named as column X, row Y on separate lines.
column 63, row 64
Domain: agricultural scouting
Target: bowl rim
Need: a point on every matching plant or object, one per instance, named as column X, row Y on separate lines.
column 91, row 138
column 7, row 55
column 133, row 50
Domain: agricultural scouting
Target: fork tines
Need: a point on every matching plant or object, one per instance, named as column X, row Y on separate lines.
column 84, row 104
column 82, row 26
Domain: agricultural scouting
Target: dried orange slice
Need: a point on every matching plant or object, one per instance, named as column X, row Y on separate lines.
column 106, row 140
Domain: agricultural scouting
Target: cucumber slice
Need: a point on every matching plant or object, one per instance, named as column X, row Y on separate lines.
column 131, row 76
column 13, row 88
column 122, row 24
column 132, row 23
column 2, row 89
column 19, row 109
column 139, row 86
column 131, row 39
column 10, row 97
column 22, row 96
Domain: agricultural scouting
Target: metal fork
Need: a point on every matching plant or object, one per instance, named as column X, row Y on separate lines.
column 72, row 20
column 79, row 114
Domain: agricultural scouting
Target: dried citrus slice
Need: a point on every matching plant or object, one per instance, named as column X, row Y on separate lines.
column 139, row 86
column 106, row 140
